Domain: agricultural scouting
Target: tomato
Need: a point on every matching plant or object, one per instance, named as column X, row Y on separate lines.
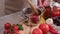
column 34, row 14
column 6, row 32
column 15, row 32
column 52, row 30
column 7, row 25
column 34, row 18
column 37, row 31
column 47, row 12
column 55, row 9
column 55, row 12
column 44, row 28
column 15, row 27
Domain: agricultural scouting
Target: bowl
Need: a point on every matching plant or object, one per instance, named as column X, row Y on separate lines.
column 27, row 12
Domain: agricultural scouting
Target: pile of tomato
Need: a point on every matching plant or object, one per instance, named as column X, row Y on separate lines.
column 56, row 15
column 44, row 29
column 12, row 29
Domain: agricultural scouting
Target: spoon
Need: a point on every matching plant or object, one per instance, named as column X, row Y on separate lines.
column 32, row 6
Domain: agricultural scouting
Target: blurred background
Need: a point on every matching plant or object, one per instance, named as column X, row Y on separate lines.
column 13, row 6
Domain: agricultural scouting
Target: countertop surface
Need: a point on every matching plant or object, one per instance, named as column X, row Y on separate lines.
column 12, row 18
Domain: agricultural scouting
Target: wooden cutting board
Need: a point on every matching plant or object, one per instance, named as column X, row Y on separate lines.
column 27, row 29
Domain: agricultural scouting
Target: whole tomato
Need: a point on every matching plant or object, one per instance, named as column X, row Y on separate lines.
column 6, row 32
column 34, row 18
column 55, row 12
column 47, row 12
column 52, row 30
column 15, row 27
column 7, row 25
column 55, row 9
column 15, row 32
column 37, row 31
column 44, row 28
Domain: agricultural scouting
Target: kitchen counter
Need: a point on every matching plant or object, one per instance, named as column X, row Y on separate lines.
column 12, row 18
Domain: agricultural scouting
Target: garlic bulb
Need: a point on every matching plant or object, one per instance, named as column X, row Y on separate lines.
column 49, row 21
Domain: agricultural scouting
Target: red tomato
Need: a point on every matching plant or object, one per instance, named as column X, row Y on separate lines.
column 6, row 32
column 54, row 14
column 47, row 12
column 37, row 31
column 15, row 27
column 52, row 30
column 34, row 14
column 55, row 9
column 44, row 28
column 7, row 25
column 34, row 18
column 15, row 32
